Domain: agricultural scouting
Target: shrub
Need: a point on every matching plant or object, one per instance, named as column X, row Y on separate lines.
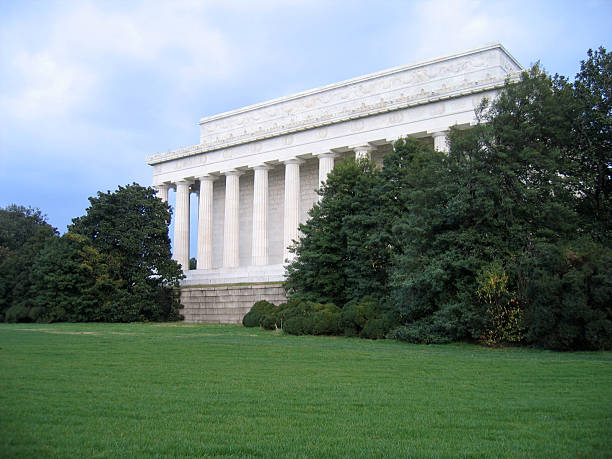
column 422, row 332
column 295, row 317
column 503, row 312
column 255, row 317
column 17, row 313
column 326, row 319
column 298, row 317
column 365, row 318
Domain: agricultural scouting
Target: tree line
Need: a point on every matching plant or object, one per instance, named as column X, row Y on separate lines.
column 112, row 265
column 505, row 239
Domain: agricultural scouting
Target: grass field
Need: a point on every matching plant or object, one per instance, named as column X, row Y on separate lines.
column 145, row 390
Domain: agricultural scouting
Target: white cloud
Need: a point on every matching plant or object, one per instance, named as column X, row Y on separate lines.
column 440, row 27
column 49, row 87
column 85, row 46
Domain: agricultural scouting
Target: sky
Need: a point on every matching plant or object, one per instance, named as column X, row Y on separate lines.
column 89, row 89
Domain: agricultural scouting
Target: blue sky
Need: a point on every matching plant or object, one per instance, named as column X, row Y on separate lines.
column 88, row 89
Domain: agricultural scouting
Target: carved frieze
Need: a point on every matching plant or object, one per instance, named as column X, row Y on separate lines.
column 387, row 91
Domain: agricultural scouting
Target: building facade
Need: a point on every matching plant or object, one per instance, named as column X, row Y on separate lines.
column 256, row 169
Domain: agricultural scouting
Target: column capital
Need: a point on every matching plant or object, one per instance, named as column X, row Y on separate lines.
column 262, row 167
column 207, row 178
column 230, row 172
column 327, row 154
column 363, row 150
column 443, row 132
column 187, row 182
column 440, row 141
column 297, row 161
column 166, row 185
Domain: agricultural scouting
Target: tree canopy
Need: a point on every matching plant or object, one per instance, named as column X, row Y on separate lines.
column 24, row 232
column 112, row 265
column 505, row 239
column 130, row 226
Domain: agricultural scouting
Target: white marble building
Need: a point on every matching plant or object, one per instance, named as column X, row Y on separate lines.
column 256, row 168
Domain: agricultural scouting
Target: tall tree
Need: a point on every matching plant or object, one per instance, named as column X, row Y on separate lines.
column 336, row 261
column 590, row 154
column 507, row 194
column 131, row 226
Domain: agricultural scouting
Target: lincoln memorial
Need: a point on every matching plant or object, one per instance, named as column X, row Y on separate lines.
column 256, row 169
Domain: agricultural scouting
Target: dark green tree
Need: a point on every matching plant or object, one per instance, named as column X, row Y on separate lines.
column 18, row 224
column 130, row 225
column 336, row 261
column 72, row 281
column 510, row 185
column 590, row 152
column 567, row 289
column 24, row 232
column 500, row 189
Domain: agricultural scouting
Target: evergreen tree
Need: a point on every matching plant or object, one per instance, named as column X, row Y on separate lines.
column 508, row 188
column 505, row 239
column 590, row 152
column 335, row 261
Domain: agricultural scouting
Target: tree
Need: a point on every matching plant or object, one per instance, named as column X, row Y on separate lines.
column 18, row 224
column 130, row 225
column 511, row 185
column 335, row 260
column 567, row 288
column 72, row 281
column 24, row 232
column 590, row 155
column 506, row 239
column 500, row 191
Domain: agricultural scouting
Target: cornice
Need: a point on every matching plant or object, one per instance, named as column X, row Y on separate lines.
column 443, row 78
column 363, row 78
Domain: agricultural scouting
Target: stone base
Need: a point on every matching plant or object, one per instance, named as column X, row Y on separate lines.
column 226, row 304
column 241, row 275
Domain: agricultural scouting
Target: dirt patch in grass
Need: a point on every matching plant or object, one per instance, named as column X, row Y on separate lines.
column 57, row 332
column 175, row 325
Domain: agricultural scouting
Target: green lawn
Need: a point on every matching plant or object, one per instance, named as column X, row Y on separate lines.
column 81, row 390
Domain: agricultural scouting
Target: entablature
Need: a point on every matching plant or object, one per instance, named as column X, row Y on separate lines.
column 445, row 78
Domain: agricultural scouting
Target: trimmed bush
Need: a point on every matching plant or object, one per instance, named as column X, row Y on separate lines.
column 295, row 317
column 255, row 317
column 366, row 318
column 326, row 319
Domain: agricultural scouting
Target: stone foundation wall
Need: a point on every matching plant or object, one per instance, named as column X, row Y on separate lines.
column 226, row 304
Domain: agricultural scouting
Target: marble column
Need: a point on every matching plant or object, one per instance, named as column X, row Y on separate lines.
column 162, row 192
column 440, row 142
column 326, row 164
column 292, row 205
column 181, row 224
column 259, row 245
column 363, row 151
column 231, row 223
column 205, row 222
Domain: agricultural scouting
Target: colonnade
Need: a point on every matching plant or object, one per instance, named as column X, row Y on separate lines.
column 231, row 222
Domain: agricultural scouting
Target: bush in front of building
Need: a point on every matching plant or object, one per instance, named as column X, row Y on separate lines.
column 296, row 317
column 259, row 311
